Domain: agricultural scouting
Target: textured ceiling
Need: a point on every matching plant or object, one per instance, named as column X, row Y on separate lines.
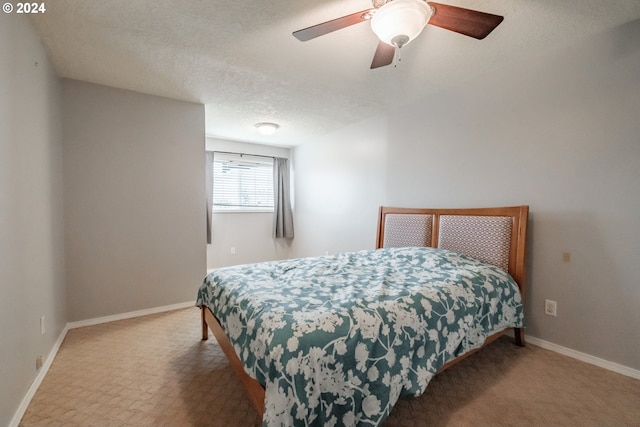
column 240, row 59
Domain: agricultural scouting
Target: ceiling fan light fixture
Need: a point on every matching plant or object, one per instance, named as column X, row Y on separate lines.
column 267, row 128
column 400, row 21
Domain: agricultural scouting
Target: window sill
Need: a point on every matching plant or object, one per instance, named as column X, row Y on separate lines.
column 215, row 211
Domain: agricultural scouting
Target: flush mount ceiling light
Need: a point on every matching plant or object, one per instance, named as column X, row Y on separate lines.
column 266, row 128
column 400, row 21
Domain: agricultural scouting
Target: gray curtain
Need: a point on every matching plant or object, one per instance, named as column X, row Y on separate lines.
column 282, row 214
column 209, row 187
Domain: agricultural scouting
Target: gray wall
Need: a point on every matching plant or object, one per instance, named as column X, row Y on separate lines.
column 102, row 207
column 560, row 133
column 31, row 212
column 250, row 233
column 340, row 182
column 134, row 200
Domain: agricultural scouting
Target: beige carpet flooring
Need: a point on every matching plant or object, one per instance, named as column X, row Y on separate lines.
column 155, row 371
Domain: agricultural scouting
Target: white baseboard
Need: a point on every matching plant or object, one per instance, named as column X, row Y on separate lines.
column 38, row 380
column 611, row 366
column 129, row 315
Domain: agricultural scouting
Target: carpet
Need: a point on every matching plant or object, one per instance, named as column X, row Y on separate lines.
column 156, row 371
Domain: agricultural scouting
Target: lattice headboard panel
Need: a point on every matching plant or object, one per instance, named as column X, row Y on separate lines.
column 485, row 238
column 407, row 230
column 493, row 235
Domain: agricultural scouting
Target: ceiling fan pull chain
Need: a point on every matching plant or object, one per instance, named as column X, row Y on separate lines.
column 397, row 56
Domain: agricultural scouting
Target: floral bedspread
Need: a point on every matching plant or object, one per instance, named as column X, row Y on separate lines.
column 336, row 340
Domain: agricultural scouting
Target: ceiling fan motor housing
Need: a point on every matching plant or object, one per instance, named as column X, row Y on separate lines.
column 400, row 21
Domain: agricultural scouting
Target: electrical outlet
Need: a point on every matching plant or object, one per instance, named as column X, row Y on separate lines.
column 550, row 307
column 233, row 250
column 38, row 363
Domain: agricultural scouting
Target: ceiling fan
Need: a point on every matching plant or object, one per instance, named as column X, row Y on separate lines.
column 398, row 22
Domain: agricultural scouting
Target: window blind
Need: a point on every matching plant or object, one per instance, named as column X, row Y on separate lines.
column 242, row 182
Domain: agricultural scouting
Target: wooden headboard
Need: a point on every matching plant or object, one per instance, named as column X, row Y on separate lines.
column 493, row 235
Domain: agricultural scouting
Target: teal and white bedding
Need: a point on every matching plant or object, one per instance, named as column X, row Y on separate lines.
column 336, row 340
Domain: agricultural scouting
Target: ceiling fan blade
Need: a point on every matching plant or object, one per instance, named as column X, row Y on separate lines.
column 469, row 22
column 383, row 56
column 331, row 26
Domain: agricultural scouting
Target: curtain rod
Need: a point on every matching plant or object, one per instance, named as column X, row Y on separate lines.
column 245, row 154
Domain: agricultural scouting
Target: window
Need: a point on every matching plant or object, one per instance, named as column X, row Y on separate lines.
column 242, row 183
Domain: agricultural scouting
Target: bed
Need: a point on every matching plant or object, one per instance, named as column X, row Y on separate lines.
column 337, row 340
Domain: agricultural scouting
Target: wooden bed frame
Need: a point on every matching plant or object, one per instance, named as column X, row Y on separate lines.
column 517, row 216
